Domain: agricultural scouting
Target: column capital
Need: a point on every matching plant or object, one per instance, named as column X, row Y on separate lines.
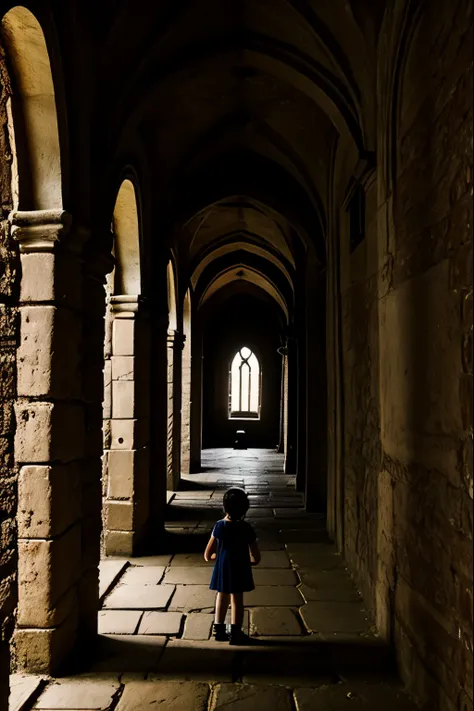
column 39, row 230
column 128, row 305
column 176, row 339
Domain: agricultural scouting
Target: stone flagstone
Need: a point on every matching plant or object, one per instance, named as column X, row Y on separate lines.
column 189, row 576
column 274, row 576
column 109, row 573
column 119, row 621
column 273, row 595
column 128, row 653
column 273, row 621
column 166, row 695
column 274, row 559
column 353, row 697
column 249, row 697
column 161, row 623
column 22, row 688
column 329, row 617
column 139, row 597
column 142, row 575
column 78, row 694
column 198, row 626
column 192, row 597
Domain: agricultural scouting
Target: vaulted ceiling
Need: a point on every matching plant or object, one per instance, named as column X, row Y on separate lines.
column 240, row 106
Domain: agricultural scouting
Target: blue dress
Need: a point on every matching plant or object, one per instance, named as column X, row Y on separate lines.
column 232, row 570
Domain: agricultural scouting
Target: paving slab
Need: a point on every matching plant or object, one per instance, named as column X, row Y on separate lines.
column 128, row 653
column 329, row 617
column 356, row 697
column 110, row 571
column 306, row 535
column 189, row 576
column 248, row 697
column 314, row 555
column 342, row 594
column 142, row 575
column 78, row 694
column 161, row 623
column 184, row 560
column 23, row 689
column 275, row 621
column 274, row 559
column 139, row 597
column 198, row 626
column 169, row 695
column 274, row 576
column 159, row 561
column 119, row 621
column 192, row 598
column 196, row 661
column 260, row 512
column 273, row 596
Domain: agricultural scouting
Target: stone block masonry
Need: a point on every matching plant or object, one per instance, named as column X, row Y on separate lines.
column 9, row 330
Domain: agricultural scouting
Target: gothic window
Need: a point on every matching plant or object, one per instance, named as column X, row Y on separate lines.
column 245, row 385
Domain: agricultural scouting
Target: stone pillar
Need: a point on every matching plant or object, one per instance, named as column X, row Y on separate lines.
column 292, row 416
column 301, row 411
column 97, row 264
column 127, row 432
column 50, row 441
column 175, row 343
column 196, row 398
column 186, row 408
column 316, row 391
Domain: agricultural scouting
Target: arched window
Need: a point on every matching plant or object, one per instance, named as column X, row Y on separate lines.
column 245, row 385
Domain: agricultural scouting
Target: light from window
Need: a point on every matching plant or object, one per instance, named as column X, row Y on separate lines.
column 245, row 384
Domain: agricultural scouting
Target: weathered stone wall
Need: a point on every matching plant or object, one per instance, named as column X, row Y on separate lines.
column 407, row 342
column 9, row 276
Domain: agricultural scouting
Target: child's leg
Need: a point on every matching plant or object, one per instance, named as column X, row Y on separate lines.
column 222, row 605
column 238, row 609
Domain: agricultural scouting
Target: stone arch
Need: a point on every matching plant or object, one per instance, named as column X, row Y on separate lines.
column 37, row 173
column 127, row 390
column 126, row 229
column 172, row 310
column 249, row 275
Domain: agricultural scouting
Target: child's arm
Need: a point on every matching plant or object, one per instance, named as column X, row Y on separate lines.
column 210, row 551
column 255, row 553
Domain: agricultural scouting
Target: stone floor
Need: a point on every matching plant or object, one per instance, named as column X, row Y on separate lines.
column 313, row 645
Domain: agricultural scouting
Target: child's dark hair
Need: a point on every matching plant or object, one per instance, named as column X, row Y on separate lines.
column 236, row 503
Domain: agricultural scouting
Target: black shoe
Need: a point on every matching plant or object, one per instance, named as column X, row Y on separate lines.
column 220, row 632
column 238, row 637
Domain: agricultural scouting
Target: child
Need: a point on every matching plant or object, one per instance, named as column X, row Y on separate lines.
column 232, row 543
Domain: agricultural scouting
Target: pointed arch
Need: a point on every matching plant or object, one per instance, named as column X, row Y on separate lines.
column 127, row 241
column 245, row 384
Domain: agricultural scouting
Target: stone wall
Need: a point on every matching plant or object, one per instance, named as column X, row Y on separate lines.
column 407, row 342
column 9, row 277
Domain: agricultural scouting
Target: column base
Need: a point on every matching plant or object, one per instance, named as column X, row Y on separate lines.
column 45, row 651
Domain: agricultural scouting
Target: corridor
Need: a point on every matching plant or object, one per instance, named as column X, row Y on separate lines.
column 227, row 224
column 313, row 648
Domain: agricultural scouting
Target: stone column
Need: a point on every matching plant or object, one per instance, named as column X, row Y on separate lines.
column 175, row 343
column 301, row 433
column 50, row 441
column 186, row 409
column 98, row 262
column 196, row 398
column 127, row 432
column 292, row 417
column 316, row 391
